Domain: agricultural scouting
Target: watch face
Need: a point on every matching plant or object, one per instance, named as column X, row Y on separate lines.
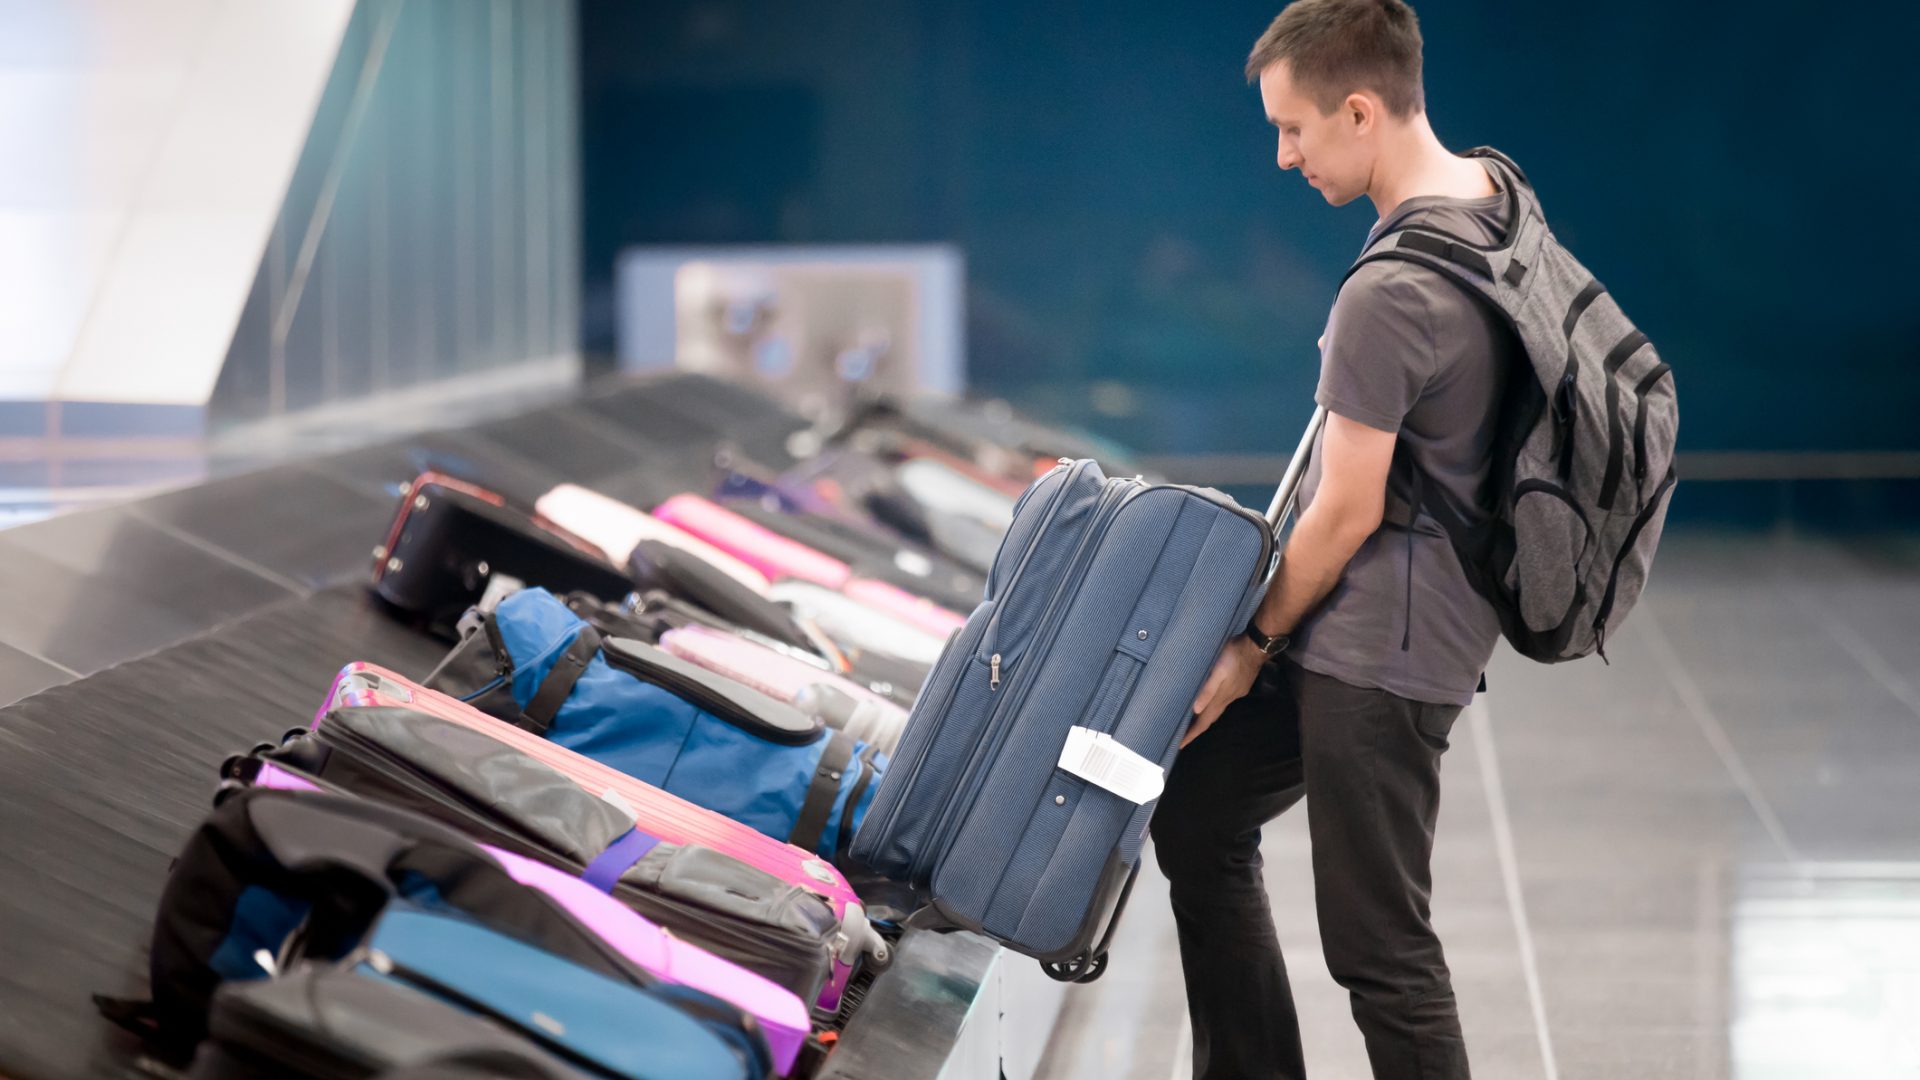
column 1268, row 645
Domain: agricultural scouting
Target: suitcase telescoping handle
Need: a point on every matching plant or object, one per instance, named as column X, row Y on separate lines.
column 1283, row 498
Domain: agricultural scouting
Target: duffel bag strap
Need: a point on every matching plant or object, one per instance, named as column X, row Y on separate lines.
column 538, row 716
column 867, row 769
column 822, row 793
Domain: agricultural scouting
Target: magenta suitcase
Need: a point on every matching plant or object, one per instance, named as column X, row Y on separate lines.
column 672, row 819
column 863, row 714
column 782, row 1016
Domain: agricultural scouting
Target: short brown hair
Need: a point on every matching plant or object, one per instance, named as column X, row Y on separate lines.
column 1335, row 47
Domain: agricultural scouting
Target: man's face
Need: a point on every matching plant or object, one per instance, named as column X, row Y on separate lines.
column 1328, row 148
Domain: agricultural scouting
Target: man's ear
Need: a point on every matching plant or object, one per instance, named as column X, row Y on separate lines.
column 1362, row 111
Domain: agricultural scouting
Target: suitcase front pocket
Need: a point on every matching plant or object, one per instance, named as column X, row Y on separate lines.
column 1072, row 833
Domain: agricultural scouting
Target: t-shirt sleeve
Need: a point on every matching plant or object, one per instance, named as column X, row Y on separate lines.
column 1378, row 354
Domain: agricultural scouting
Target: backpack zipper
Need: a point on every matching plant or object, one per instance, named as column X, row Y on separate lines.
column 1565, row 410
column 1626, row 548
column 1647, row 383
column 1617, row 358
column 503, row 659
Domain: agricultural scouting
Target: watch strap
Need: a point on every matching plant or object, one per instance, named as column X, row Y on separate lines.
column 1272, row 645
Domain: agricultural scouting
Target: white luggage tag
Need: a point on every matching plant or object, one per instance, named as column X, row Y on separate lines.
column 499, row 587
column 613, row 798
column 1100, row 759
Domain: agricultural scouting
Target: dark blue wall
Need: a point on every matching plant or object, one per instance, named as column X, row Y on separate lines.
column 1741, row 176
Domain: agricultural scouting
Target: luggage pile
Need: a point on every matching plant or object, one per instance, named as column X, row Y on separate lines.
column 618, row 829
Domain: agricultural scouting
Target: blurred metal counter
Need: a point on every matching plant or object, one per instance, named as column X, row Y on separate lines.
column 952, row 1007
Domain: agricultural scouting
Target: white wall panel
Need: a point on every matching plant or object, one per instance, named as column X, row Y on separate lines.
column 201, row 211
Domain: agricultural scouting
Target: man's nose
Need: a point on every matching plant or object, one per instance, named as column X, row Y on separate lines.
column 1287, row 158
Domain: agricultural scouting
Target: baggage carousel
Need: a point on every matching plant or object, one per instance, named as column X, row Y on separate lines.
column 142, row 643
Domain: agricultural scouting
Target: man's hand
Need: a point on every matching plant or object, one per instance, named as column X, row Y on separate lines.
column 1233, row 675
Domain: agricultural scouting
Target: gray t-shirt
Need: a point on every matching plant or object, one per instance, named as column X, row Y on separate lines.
column 1410, row 352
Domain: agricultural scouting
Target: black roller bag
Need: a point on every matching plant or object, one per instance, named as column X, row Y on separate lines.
column 451, row 541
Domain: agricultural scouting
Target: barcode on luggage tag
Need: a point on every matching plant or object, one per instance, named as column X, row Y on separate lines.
column 1100, row 759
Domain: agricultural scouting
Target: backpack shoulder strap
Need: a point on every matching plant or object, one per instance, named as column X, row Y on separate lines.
column 1500, row 159
column 1458, row 262
column 1479, row 268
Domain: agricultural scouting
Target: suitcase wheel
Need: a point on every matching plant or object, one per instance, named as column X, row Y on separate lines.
column 1080, row 969
column 1095, row 968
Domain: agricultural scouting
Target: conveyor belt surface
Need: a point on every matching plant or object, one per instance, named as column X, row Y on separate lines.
column 102, row 779
column 160, row 636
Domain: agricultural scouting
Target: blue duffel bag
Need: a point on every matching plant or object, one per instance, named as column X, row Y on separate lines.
column 533, row 662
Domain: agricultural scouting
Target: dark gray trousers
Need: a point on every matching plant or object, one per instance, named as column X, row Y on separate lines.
column 1369, row 762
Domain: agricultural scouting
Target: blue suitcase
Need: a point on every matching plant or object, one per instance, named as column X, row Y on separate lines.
column 1020, row 793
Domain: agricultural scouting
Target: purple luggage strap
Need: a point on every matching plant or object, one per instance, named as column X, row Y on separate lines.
column 605, row 870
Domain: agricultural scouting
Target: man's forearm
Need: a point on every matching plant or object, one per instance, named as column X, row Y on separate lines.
column 1317, row 553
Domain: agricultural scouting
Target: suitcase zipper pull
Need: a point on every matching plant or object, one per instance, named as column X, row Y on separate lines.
column 993, row 675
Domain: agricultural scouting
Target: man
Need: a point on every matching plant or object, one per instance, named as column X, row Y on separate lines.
column 1370, row 640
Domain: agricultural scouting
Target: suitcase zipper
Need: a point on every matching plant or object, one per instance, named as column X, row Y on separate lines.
column 994, row 675
column 899, row 765
column 991, row 633
column 1064, row 463
column 993, row 731
column 911, row 768
column 1046, row 518
column 377, row 759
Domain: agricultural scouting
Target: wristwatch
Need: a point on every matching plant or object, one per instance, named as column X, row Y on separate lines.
column 1272, row 646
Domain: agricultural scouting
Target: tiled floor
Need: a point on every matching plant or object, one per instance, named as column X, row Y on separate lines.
column 1701, row 861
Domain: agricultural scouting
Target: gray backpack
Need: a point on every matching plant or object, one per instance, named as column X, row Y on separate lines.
column 1583, row 463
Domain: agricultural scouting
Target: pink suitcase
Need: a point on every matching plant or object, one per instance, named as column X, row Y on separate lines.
column 871, row 719
column 778, row 557
column 668, row 817
column 760, row 547
column 617, row 528
column 782, row 1016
